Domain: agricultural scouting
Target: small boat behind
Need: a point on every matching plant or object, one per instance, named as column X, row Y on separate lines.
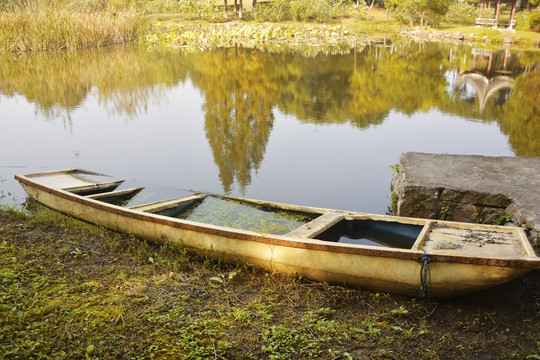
column 377, row 252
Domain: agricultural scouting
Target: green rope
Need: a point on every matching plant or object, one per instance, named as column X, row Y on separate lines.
column 425, row 276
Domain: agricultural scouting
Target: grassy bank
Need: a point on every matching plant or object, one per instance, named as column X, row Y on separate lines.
column 37, row 25
column 71, row 290
column 63, row 25
column 354, row 27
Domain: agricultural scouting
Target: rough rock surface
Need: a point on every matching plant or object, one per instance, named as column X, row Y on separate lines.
column 469, row 188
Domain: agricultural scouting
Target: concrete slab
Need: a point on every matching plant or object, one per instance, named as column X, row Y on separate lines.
column 469, row 188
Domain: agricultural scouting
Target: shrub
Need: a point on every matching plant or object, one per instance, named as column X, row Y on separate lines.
column 462, row 13
column 319, row 10
column 488, row 13
column 528, row 20
column 430, row 18
column 275, row 11
column 534, row 19
column 187, row 9
column 522, row 20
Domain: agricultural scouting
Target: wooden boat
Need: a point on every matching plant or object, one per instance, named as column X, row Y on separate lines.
column 377, row 252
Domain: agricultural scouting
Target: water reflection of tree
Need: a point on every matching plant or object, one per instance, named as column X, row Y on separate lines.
column 46, row 81
column 520, row 117
column 240, row 90
column 315, row 89
column 125, row 81
column 408, row 78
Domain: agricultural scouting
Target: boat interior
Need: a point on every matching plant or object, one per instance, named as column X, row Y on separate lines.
column 291, row 221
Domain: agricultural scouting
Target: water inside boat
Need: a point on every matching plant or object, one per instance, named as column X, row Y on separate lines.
column 245, row 215
column 240, row 215
column 215, row 210
column 374, row 233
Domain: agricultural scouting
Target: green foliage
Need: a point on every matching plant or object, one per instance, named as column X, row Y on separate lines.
column 534, row 19
column 275, row 11
column 78, row 253
column 186, row 9
column 444, row 211
column 418, row 11
column 401, row 311
column 395, row 169
column 479, row 214
column 303, row 339
column 502, row 219
column 319, row 10
column 185, row 335
column 522, row 20
column 392, row 208
column 462, row 12
column 488, row 12
column 222, row 279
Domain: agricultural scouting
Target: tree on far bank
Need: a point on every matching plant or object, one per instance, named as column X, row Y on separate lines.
column 533, row 3
column 413, row 10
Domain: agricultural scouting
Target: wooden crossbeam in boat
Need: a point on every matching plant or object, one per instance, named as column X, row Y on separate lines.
column 94, row 188
column 420, row 240
column 119, row 193
column 166, row 204
column 318, row 225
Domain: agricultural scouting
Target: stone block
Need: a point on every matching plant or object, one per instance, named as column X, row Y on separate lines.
column 464, row 213
column 469, row 188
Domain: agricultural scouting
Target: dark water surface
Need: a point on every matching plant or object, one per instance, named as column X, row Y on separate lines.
column 301, row 126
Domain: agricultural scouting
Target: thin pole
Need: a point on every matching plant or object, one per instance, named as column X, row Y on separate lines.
column 481, row 8
column 497, row 13
column 514, row 5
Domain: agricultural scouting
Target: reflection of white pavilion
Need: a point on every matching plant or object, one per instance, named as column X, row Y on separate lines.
column 486, row 82
column 485, row 87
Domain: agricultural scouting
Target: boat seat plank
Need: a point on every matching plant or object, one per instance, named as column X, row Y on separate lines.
column 166, row 204
column 117, row 193
column 421, row 239
column 318, row 225
column 94, row 188
column 71, row 179
column 473, row 242
column 63, row 181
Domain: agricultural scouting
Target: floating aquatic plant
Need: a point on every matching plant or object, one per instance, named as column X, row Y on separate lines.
column 235, row 214
column 231, row 34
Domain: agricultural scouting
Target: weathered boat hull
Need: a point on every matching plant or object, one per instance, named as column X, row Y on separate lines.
column 379, row 269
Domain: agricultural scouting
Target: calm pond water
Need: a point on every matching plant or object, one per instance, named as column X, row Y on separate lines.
column 311, row 126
